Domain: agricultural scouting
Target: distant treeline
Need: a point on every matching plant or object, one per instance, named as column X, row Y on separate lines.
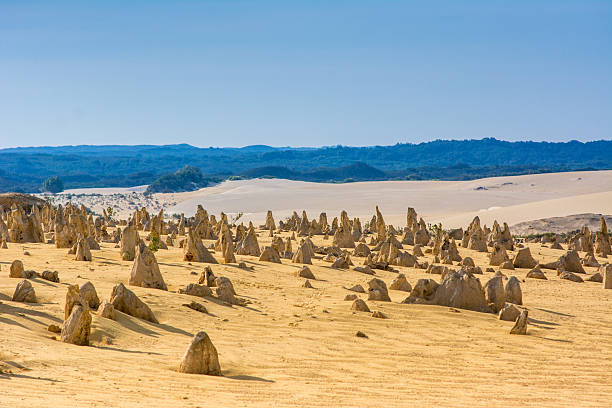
column 26, row 169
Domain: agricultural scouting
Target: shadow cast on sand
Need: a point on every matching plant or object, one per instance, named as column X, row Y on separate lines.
column 248, row 378
column 127, row 351
column 555, row 313
column 14, row 310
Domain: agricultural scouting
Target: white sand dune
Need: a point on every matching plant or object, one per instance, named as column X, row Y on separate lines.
column 454, row 203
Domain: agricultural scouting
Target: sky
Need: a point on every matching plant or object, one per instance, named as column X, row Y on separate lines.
column 303, row 73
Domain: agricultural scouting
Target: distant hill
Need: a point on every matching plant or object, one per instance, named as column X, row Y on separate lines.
column 25, row 169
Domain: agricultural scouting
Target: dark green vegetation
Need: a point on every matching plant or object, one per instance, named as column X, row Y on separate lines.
column 188, row 178
column 25, row 169
column 52, row 185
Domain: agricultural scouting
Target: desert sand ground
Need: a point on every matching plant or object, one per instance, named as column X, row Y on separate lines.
column 294, row 346
column 454, row 203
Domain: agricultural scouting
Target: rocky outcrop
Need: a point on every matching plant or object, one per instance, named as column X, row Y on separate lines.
column 201, row 357
column 194, row 250
column 145, row 270
column 76, row 329
column 126, row 301
column 24, row 292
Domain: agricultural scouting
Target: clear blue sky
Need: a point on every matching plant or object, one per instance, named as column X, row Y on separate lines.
column 303, row 73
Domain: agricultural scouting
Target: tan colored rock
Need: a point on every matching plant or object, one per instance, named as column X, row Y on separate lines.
column 509, row 313
column 606, row 273
column 360, row 305
column 305, row 272
column 498, row 255
column 89, row 295
column 24, row 292
column 570, row 276
column 520, row 327
column 126, row 301
column 249, row 245
column 51, row 276
column 400, row 283
column 350, row 297
column 270, row 254
column 128, row 243
column 107, row 310
column 513, row 291
column 16, row 270
column 194, row 289
column 307, row 284
column 536, row 273
column 302, row 255
column 201, row 357
column 82, row 250
column 461, row 290
column 377, row 290
column 76, row 329
column 194, row 250
column 495, row 294
column 379, row 315
column 145, row 270
column 523, row 259
column 357, row 288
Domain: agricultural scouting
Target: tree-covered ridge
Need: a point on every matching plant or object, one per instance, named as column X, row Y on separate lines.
column 25, row 169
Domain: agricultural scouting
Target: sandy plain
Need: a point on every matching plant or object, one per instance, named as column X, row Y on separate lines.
column 294, row 346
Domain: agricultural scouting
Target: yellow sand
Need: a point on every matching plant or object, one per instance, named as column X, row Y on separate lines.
column 297, row 347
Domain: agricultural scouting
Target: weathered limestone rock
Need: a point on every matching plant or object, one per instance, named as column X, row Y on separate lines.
column 377, row 290
column 16, row 270
column 201, row 357
column 570, row 276
column 498, row 255
column 225, row 292
column 270, row 254
column 570, row 262
column 194, row 289
column 82, row 251
column 400, row 283
column 461, row 290
column 194, row 250
column 509, row 313
column 513, row 291
column 423, row 291
column 360, row 305
column 606, row 273
column 523, row 259
column 129, row 240
column 51, row 276
column 342, row 262
column 379, row 315
column 126, row 301
column 207, row 277
column 357, row 288
column 145, row 271
column 495, row 294
column 305, row 272
column 106, row 310
column 520, row 327
column 249, row 245
column 307, row 284
column 350, row 297
column 89, row 295
column 24, row 292
column 536, row 273
column 361, row 250
column 302, row 255
column 467, row 261
column 343, row 236
column 77, row 327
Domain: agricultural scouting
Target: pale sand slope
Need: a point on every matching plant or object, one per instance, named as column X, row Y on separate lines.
column 297, row 347
column 454, row 203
